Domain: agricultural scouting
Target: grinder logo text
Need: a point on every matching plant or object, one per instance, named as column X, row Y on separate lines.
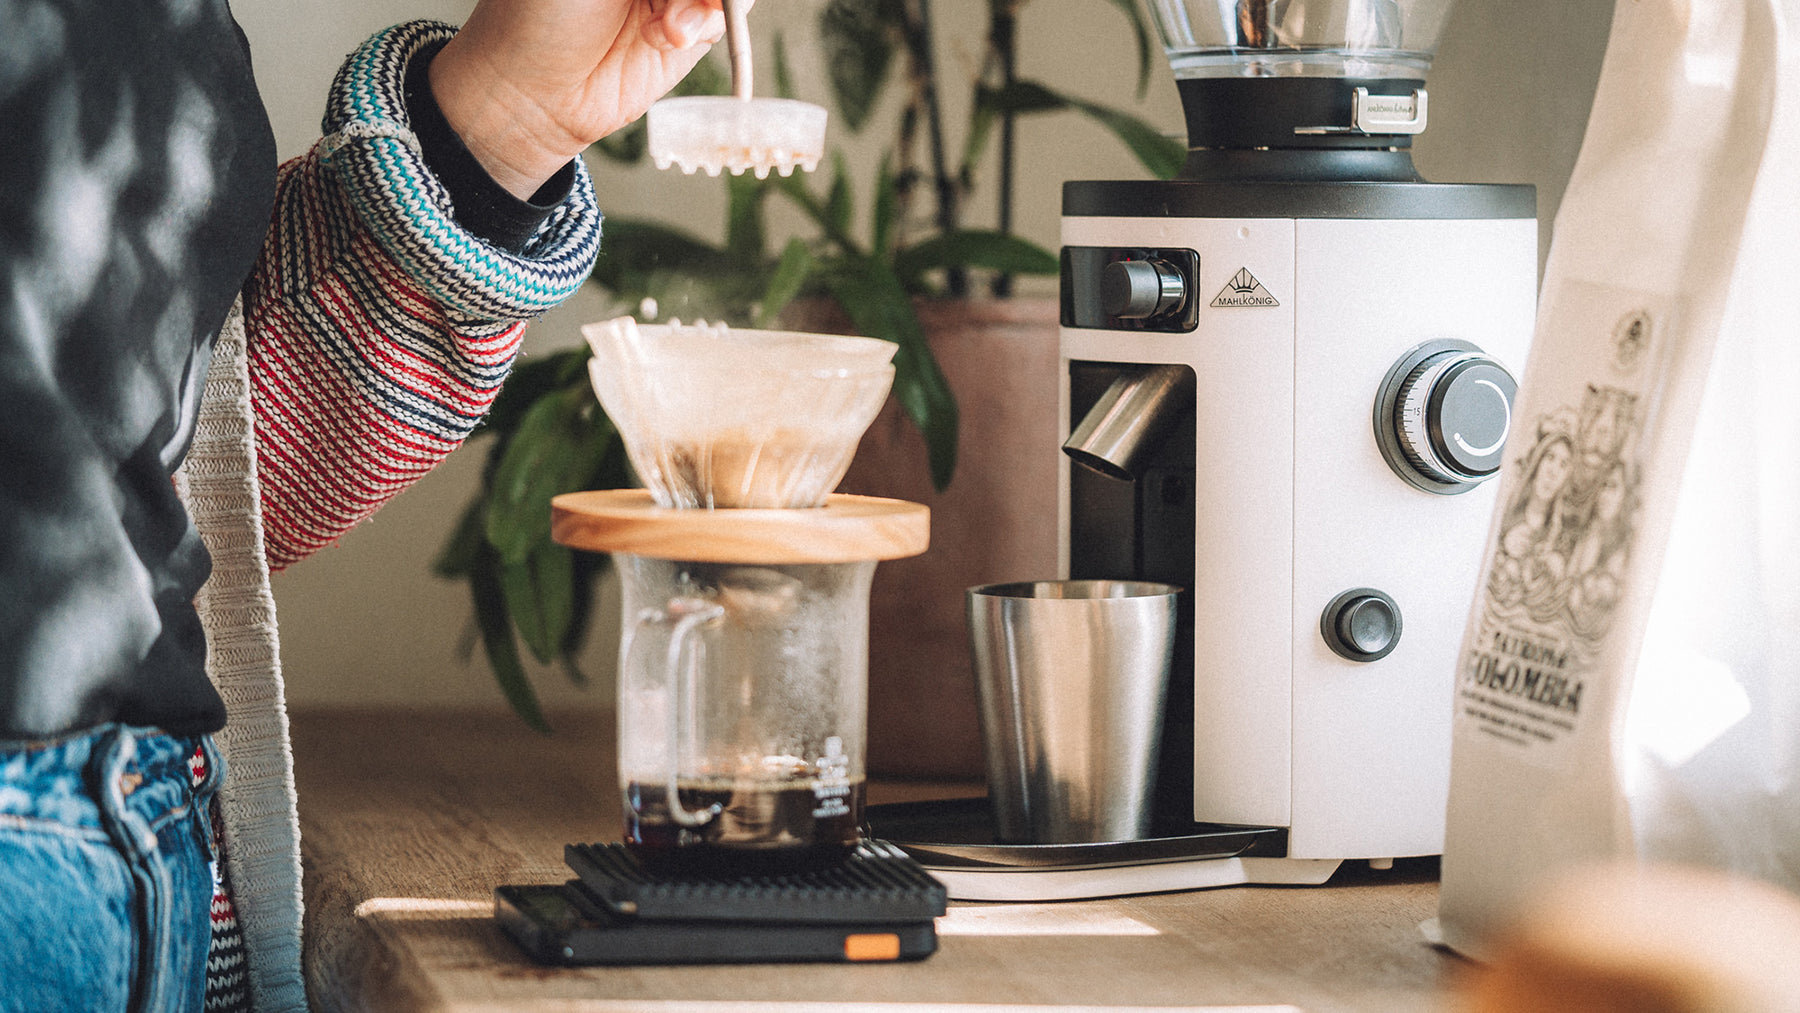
column 1244, row 290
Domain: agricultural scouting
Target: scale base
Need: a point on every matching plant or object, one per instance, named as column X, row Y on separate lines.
column 878, row 906
column 954, row 839
column 568, row 924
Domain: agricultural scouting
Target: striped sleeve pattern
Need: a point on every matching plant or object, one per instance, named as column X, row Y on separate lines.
column 380, row 329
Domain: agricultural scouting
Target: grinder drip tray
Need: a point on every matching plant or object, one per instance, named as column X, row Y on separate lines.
column 955, row 839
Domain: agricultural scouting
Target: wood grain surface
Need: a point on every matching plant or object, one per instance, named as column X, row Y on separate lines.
column 409, row 820
column 847, row 529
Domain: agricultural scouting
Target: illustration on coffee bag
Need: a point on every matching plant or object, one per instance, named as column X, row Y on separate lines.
column 1566, row 532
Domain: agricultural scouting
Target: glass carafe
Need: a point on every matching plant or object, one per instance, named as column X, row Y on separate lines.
column 742, row 713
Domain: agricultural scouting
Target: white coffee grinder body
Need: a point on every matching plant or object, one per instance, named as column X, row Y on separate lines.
column 1328, row 577
column 1289, row 373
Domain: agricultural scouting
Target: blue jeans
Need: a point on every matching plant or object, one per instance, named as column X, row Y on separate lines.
column 106, row 872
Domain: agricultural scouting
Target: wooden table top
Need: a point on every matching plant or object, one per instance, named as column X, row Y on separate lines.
column 409, row 820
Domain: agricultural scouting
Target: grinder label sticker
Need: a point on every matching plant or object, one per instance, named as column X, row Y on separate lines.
column 1244, row 290
column 1558, row 564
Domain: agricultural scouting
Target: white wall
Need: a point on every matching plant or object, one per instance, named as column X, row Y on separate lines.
column 365, row 622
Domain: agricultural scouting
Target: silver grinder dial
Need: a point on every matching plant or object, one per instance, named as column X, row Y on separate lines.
column 1443, row 414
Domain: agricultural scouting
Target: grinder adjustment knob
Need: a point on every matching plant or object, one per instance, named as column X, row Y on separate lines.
column 1141, row 289
column 1443, row 416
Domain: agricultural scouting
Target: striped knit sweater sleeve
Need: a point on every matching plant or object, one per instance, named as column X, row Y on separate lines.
column 380, row 329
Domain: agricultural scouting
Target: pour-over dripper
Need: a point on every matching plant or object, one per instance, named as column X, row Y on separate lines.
column 714, row 416
column 740, row 133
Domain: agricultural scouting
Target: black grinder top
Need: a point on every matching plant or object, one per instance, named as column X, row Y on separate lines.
column 1302, row 129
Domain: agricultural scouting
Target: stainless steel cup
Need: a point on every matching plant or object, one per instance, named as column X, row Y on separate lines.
column 1070, row 676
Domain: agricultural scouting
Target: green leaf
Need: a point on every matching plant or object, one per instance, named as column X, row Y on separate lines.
column 1022, row 97
column 746, row 228
column 859, row 43
column 626, row 145
column 879, row 307
column 588, row 566
column 983, row 248
column 497, row 643
column 532, row 462
column 981, row 125
column 709, row 77
column 633, row 251
column 1141, row 31
column 560, row 443
column 838, row 201
column 887, row 208
column 821, row 213
column 456, row 557
column 533, row 376
column 991, row 103
column 573, row 672
column 784, row 75
column 518, row 590
column 791, row 272
column 1160, row 154
column 553, row 570
column 540, row 597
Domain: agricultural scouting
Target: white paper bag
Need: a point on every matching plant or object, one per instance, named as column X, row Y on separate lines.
column 1629, row 683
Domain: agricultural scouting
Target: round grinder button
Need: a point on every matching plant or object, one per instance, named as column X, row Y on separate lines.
column 1367, row 624
column 1361, row 625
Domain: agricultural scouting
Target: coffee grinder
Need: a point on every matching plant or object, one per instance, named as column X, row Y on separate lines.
column 1288, row 375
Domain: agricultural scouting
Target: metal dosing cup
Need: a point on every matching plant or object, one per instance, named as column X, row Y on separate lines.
column 1070, row 678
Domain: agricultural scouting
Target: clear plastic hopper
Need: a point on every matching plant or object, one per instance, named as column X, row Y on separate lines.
column 1300, row 38
column 1301, row 90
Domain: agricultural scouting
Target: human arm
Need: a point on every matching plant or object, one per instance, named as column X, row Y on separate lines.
column 380, row 327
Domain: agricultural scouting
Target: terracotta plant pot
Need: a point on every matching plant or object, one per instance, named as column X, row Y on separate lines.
column 996, row 522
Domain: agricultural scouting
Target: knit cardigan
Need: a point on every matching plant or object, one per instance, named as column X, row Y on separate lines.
column 372, row 336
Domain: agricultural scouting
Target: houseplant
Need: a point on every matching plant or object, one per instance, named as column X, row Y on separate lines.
column 548, row 435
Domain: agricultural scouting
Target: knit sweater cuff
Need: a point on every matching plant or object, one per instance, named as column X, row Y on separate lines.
column 372, row 151
column 482, row 205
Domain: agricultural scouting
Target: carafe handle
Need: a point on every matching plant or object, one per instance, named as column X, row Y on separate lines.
column 689, row 616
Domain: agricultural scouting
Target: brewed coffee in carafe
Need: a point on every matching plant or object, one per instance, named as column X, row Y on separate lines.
column 742, row 708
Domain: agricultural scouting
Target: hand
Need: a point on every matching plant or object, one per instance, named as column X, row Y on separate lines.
column 528, row 84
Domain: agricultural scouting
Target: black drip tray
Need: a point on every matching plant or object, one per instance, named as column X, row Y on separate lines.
column 958, row 833
column 876, row 883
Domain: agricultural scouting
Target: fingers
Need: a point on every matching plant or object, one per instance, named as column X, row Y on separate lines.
column 690, row 23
